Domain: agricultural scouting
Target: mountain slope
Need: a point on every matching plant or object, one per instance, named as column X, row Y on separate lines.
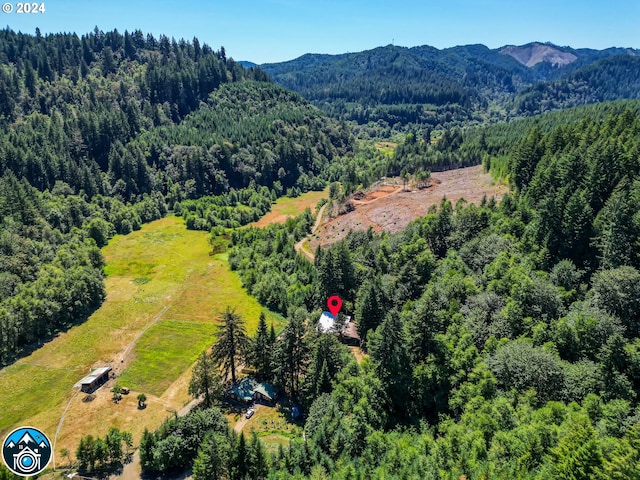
column 611, row 78
column 534, row 53
column 427, row 86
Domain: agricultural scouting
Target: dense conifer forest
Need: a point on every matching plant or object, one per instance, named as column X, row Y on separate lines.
column 502, row 338
column 499, row 340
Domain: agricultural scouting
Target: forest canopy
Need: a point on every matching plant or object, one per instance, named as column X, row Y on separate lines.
column 502, row 338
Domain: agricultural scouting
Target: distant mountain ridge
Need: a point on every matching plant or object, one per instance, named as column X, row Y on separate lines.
column 423, row 85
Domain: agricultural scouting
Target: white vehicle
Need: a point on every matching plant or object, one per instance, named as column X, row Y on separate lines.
column 249, row 413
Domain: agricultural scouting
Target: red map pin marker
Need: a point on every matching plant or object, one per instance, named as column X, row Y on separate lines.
column 335, row 304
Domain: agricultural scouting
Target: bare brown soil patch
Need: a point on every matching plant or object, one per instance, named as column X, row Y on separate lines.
column 390, row 208
column 363, row 198
column 358, row 353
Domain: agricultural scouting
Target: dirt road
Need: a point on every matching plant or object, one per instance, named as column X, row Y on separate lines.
column 300, row 245
column 244, row 420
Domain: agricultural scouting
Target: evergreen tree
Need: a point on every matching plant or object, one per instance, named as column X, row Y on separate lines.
column 272, row 336
column 525, row 159
column 616, row 236
column 327, row 359
column 241, row 461
column 212, row 462
column 206, row 380
column 262, row 350
column 370, row 306
column 388, row 347
column 577, row 455
column 231, row 347
column 291, row 355
column 259, row 465
column 624, row 461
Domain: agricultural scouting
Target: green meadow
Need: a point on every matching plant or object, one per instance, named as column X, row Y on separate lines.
column 164, row 352
column 165, row 296
column 286, row 207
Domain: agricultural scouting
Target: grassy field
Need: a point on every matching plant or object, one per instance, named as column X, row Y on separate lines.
column 386, row 147
column 165, row 294
column 287, row 207
column 166, row 350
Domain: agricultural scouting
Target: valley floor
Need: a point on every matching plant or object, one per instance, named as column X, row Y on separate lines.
column 164, row 294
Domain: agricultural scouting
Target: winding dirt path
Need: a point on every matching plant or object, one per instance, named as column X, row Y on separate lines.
column 299, row 247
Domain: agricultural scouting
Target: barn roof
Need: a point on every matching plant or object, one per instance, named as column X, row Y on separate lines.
column 89, row 379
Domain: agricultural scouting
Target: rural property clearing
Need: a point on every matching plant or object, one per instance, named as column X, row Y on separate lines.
column 286, row 207
column 164, row 295
column 272, row 425
column 390, row 208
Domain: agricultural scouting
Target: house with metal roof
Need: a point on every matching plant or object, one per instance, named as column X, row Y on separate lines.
column 249, row 390
column 344, row 327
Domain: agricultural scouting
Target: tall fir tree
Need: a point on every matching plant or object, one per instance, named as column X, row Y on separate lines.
column 206, row 380
column 261, row 350
column 291, row 355
column 231, row 347
column 389, row 351
column 212, row 462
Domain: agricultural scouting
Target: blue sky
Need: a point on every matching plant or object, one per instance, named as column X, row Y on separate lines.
column 278, row 30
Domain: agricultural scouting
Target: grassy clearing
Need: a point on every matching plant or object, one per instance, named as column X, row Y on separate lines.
column 18, row 398
column 165, row 351
column 208, row 292
column 386, row 147
column 306, row 247
column 286, row 207
column 162, row 273
column 272, row 442
column 272, row 426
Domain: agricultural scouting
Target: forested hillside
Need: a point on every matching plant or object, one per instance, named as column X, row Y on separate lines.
column 503, row 339
column 424, row 149
column 391, row 87
column 499, row 340
column 608, row 79
column 101, row 133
